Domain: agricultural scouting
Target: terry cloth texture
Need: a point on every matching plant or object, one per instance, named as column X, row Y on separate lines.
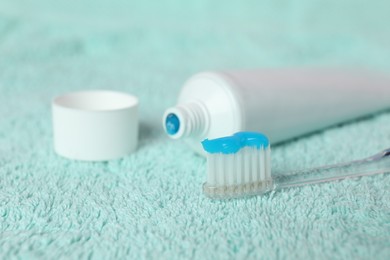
column 149, row 205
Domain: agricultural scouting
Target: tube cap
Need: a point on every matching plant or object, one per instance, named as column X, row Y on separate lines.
column 95, row 125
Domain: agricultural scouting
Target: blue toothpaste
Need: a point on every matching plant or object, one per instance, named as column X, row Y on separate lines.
column 232, row 144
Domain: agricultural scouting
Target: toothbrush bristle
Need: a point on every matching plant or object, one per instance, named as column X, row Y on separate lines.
column 246, row 172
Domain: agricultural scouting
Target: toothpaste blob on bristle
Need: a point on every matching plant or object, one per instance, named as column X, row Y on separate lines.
column 238, row 165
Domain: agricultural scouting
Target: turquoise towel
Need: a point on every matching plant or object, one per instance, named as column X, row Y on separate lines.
column 149, row 205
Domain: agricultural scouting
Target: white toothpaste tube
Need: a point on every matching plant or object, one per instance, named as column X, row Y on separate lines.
column 281, row 103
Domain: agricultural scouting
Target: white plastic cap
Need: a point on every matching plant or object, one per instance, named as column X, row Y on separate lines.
column 95, row 125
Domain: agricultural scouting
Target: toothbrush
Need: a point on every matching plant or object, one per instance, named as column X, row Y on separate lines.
column 239, row 166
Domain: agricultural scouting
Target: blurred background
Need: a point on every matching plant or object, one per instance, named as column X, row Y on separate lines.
column 149, row 47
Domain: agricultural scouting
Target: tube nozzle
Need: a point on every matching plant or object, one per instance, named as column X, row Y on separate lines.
column 185, row 120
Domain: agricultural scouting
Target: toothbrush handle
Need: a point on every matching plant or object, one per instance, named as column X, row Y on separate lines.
column 377, row 164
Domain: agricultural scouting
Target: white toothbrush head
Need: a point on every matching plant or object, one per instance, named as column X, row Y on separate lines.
column 238, row 165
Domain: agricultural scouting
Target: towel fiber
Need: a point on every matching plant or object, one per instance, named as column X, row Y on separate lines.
column 149, row 205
